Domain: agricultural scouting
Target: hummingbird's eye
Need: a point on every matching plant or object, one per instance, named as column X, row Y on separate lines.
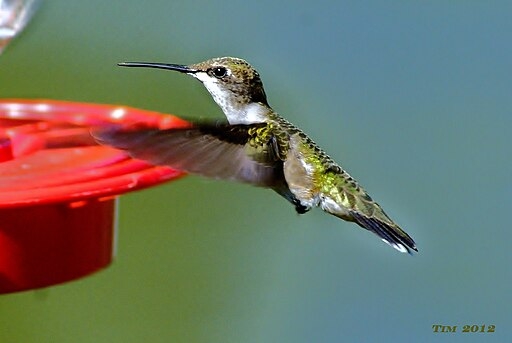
column 218, row 72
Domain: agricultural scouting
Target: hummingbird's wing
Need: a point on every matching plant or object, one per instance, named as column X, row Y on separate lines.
column 217, row 150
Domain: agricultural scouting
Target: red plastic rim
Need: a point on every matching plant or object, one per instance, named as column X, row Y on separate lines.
column 57, row 188
column 47, row 154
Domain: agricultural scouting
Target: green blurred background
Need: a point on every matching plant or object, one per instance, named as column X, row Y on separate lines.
column 412, row 97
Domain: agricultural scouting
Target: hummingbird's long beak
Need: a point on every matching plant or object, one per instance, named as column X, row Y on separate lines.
column 168, row 66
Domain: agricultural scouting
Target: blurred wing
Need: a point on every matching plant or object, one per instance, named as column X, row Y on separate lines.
column 214, row 150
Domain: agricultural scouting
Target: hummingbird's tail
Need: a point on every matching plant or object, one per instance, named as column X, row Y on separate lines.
column 390, row 233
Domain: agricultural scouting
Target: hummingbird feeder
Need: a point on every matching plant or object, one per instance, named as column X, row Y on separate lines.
column 58, row 188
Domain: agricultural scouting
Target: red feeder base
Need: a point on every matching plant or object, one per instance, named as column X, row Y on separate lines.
column 71, row 241
column 58, row 188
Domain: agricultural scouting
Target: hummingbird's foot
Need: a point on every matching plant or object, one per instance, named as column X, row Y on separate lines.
column 301, row 209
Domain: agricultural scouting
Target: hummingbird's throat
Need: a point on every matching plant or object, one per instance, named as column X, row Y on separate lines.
column 242, row 113
column 236, row 109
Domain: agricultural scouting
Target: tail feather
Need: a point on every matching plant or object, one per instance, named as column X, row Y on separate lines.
column 390, row 234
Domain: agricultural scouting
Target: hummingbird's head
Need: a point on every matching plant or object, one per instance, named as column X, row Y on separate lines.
column 233, row 83
column 232, row 78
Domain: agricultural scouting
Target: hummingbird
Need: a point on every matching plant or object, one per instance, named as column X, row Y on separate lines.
column 255, row 146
